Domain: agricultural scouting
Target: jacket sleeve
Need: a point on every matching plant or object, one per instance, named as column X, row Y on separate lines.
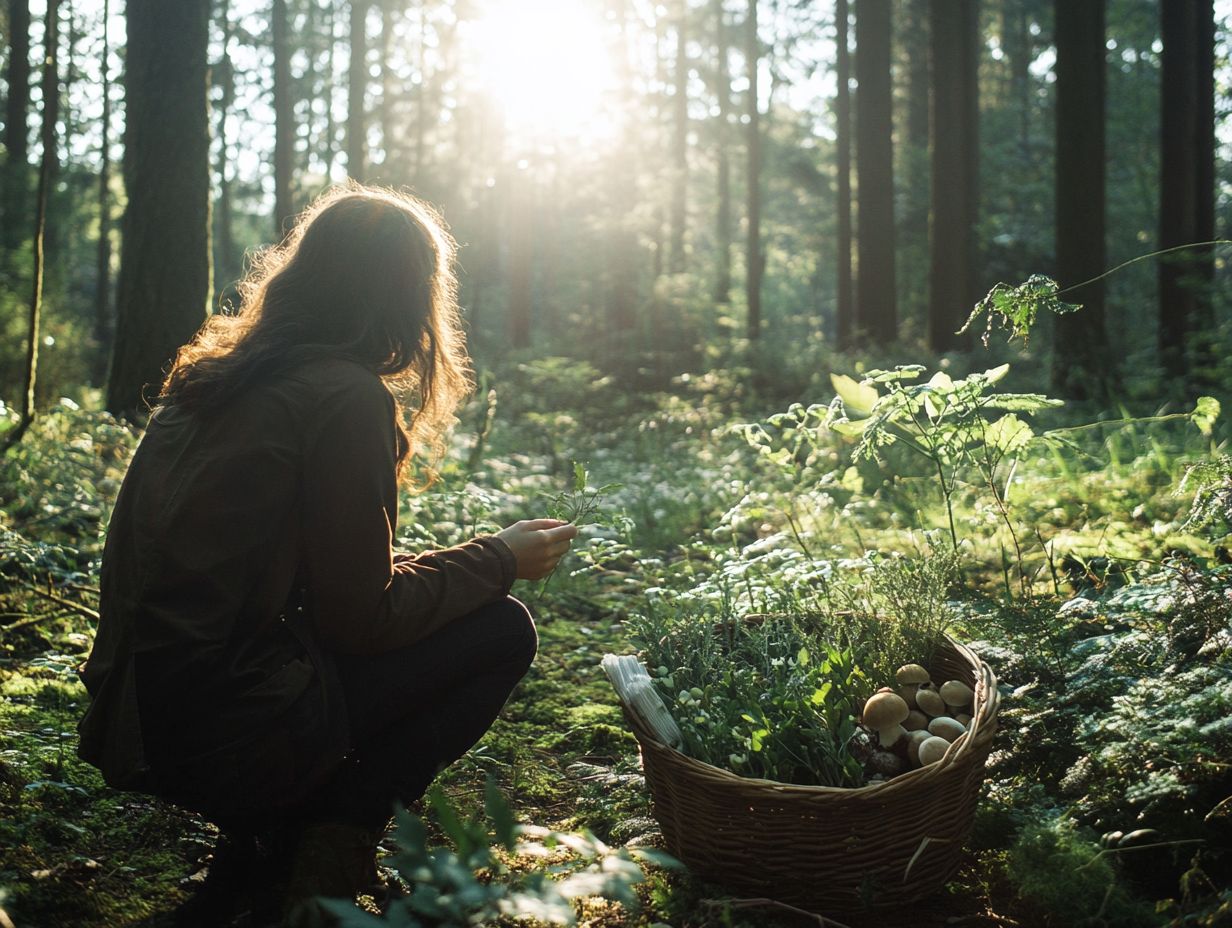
column 360, row 601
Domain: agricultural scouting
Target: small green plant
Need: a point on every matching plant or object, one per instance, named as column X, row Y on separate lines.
column 475, row 882
column 1017, row 307
column 581, row 505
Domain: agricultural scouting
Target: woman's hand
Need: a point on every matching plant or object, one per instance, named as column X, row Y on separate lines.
column 538, row 545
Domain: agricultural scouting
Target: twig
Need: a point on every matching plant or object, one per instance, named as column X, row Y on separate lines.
column 60, row 600
column 30, row 620
column 821, row 920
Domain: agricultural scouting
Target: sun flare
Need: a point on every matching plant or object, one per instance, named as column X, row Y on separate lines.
column 546, row 65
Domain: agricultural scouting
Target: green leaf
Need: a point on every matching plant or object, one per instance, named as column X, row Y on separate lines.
column 996, row 374
column 1009, row 434
column 504, row 824
column 941, row 382
column 802, row 657
column 858, row 398
column 579, row 477
column 847, row 427
column 1206, row 411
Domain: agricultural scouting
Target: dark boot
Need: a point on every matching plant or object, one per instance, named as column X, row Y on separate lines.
column 333, row 860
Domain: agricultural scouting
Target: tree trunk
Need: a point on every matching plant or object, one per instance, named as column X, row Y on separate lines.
column 842, row 110
column 521, row 256
column 224, row 239
column 621, row 251
column 722, row 86
column 1080, row 356
column 754, row 260
column 47, row 135
column 164, row 286
column 16, row 143
column 102, row 289
column 876, row 315
column 284, row 121
column 1186, row 209
column 387, row 112
column 357, row 87
column 680, row 141
column 953, row 289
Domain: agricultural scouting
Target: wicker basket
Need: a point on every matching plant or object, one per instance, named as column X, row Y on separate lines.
column 823, row 848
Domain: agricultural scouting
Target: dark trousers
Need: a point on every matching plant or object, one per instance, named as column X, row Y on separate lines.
column 414, row 711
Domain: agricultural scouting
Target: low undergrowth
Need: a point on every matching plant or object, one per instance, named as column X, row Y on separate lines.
column 1071, row 564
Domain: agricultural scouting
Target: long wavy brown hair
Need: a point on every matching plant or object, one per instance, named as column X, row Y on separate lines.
column 365, row 274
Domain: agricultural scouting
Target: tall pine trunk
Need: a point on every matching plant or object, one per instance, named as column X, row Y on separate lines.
column 224, row 237
column 164, row 287
column 357, row 92
column 14, row 183
column 753, row 259
column 680, row 141
column 102, row 261
column 1187, row 189
column 842, row 118
column 47, row 135
column 1082, row 362
column 955, row 35
column 521, row 256
column 876, row 313
column 722, row 230
column 284, row 121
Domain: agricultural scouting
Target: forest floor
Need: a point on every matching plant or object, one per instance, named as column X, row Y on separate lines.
column 1086, row 743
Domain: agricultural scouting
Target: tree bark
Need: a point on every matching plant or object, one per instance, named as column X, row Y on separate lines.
column 953, row 289
column 164, row 286
column 722, row 86
column 876, row 314
column 680, row 141
column 284, row 121
column 102, row 290
column 357, row 87
column 842, row 108
column 521, row 256
column 16, row 142
column 224, row 238
column 1187, row 189
column 1081, row 359
column 754, row 261
column 47, row 135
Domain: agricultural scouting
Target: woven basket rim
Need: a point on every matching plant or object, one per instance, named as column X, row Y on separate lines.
column 979, row 733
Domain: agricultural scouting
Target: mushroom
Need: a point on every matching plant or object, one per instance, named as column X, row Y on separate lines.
column 957, row 694
column 914, row 740
column 885, row 713
column 932, row 750
column 910, row 677
column 945, row 727
column 964, row 718
column 916, row 720
column 930, row 702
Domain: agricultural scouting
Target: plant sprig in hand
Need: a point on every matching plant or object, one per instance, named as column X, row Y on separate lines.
column 581, row 505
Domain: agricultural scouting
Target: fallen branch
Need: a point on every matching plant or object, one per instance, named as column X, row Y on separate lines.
column 821, row 920
column 77, row 607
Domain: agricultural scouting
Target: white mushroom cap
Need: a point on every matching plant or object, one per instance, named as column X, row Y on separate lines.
column 932, row 750
column 914, row 740
column 885, row 713
column 957, row 694
column 945, row 727
column 930, row 702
